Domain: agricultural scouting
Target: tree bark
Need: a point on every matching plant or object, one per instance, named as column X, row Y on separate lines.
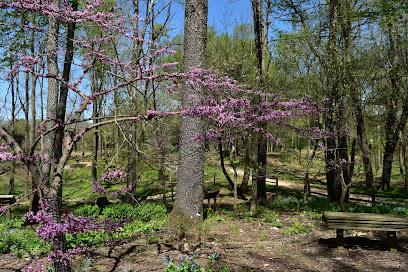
column 190, row 175
column 393, row 125
column 363, row 143
column 34, row 183
column 404, row 151
column 222, row 164
column 334, row 186
column 95, row 137
column 133, row 160
column 306, row 187
column 52, row 181
column 352, row 164
column 13, row 116
column 262, row 144
column 243, row 188
column 27, row 127
column 63, row 92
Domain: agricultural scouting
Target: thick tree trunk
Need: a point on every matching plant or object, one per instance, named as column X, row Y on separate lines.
column 342, row 148
column 334, row 187
column 63, row 95
column 390, row 144
column 52, row 182
column 190, row 175
column 262, row 144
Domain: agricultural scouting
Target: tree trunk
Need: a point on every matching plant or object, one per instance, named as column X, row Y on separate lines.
column 233, row 154
column 393, row 126
column 190, row 175
column 362, row 141
column 33, row 181
column 63, row 92
column 52, row 182
column 404, row 151
column 342, row 148
column 95, row 138
column 262, row 143
column 133, row 160
column 401, row 157
column 306, row 187
column 222, row 164
column 352, row 164
column 243, row 188
column 13, row 114
column 334, row 186
column 27, row 129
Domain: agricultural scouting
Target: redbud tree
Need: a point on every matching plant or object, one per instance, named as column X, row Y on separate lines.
column 227, row 107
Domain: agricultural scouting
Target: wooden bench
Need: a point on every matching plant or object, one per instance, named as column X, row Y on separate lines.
column 211, row 194
column 365, row 221
column 6, row 200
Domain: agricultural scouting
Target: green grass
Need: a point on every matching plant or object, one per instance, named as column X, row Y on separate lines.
column 394, row 192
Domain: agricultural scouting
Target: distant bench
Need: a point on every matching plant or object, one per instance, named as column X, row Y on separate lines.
column 6, row 200
column 211, row 194
column 365, row 221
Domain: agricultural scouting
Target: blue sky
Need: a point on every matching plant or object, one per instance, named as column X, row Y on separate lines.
column 222, row 14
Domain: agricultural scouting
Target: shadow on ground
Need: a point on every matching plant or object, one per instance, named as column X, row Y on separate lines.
column 360, row 242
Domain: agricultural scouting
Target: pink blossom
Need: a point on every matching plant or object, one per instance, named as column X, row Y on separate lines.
column 117, row 174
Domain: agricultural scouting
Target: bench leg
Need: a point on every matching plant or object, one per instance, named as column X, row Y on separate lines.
column 339, row 237
column 392, row 240
column 215, row 203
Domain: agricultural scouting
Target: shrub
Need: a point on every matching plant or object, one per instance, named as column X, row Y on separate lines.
column 311, row 215
column 119, row 211
column 87, row 238
column 143, row 213
column 270, row 217
column 150, row 211
column 18, row 240
column 286, row 203
column 21, row 242
column 297, row 227
column 137, row 227
column 87, row 211
column 318, row 204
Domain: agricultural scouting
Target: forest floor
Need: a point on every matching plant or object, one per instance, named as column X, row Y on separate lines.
column 250, row 244
column 300, row 242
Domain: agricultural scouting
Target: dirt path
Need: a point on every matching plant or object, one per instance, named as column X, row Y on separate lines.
column 288, row 185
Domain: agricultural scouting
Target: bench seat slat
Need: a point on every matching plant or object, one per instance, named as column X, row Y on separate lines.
column 6, row 197
column 368, row 222
column 359, row 227
column 363, row 216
